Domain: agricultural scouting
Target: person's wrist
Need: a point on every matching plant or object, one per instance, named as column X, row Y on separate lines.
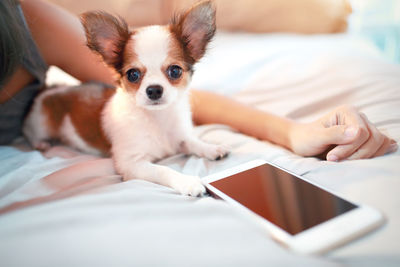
column 298, row 138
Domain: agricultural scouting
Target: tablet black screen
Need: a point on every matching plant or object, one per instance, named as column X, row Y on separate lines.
column 283, row 199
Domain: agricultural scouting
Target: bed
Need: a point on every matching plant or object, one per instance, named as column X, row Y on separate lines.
column 79, row 219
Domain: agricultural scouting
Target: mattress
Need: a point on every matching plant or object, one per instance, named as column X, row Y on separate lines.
column 68, row 209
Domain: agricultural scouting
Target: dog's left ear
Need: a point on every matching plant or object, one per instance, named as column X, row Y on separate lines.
column 195, row 29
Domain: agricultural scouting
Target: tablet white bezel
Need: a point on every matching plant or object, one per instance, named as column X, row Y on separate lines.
column 317, row 239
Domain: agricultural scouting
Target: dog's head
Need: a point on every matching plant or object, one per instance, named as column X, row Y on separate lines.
column 155, row 63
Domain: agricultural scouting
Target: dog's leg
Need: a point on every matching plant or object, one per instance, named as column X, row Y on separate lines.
column 200, row 148
column 145, row 170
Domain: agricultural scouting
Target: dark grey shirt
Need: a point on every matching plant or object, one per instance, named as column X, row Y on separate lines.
column 14, row 110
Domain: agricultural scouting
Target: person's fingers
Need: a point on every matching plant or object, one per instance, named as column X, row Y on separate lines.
column 338, row 135
column 392, row 147
column 341, row 152
column 371, row 146
column 388, row 146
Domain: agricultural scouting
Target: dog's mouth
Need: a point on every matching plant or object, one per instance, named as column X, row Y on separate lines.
column 156, row 104
column 159, row 102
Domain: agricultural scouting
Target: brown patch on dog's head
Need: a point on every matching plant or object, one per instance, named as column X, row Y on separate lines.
column 177, row 58
column 131, row 62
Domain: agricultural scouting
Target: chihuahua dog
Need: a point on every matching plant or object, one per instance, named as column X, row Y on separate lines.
column 147, row 117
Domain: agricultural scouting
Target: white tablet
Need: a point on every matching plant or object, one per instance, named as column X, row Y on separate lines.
column 299, row 214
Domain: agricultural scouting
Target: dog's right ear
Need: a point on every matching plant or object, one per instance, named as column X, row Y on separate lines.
column 106, row 35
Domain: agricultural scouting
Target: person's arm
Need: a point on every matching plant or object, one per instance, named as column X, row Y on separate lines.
column 344, row 133
column 208, row 107
column 62, row 42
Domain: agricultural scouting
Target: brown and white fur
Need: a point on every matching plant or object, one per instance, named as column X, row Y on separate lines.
column 136, row 129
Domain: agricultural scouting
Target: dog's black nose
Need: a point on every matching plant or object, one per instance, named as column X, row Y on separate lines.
column 154, row 92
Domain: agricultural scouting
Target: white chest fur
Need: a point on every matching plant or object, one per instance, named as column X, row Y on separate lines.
column 142, row 134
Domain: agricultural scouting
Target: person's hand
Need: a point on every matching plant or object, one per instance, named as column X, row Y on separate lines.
column 344, row 133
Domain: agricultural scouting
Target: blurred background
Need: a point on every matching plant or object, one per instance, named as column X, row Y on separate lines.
column 378, row 21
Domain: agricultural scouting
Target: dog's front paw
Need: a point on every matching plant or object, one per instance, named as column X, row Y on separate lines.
column 189, row 185
column 215, row 152
column 205, row 150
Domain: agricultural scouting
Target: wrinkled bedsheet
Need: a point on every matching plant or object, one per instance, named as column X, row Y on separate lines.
column 69, row 210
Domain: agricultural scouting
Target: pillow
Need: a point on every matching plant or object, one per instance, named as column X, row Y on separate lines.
column 299, row 16
column 135, row 12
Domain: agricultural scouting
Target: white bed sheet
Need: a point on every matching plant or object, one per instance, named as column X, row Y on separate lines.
column 99, row 221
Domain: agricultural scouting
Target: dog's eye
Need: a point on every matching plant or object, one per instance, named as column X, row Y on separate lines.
column 174, row 72
column 133, row 75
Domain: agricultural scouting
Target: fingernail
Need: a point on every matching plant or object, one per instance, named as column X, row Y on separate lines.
column 332, row 158
column 351, row 131
column 392, row 148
